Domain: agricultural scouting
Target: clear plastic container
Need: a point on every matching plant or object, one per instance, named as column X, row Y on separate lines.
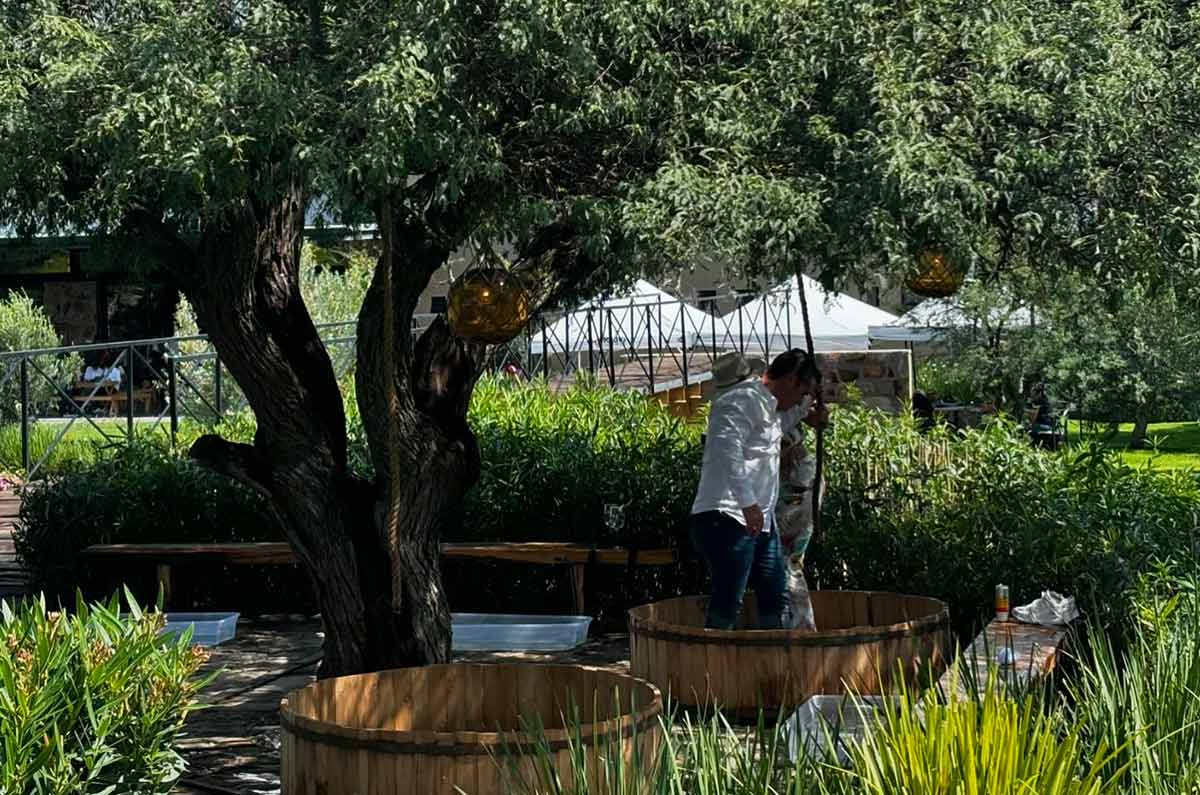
column 823, row 722
column 210, row 629
column 498, row 632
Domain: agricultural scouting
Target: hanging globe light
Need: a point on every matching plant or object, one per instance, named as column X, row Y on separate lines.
column 935, row 275
column 488, row 306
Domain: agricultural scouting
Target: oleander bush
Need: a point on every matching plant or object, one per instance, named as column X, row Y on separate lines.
column 91, row 702
column 950, row 515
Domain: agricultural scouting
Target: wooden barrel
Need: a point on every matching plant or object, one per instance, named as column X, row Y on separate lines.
column 865, row 640
column 470, row 728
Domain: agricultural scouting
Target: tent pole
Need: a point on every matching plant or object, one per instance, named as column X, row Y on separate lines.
column 817, row 476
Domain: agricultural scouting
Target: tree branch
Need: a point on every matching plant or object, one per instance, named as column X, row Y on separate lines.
column 240, row 462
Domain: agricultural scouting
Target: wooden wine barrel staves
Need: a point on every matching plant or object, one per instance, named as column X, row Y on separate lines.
column 866, row 638
column 447, row 728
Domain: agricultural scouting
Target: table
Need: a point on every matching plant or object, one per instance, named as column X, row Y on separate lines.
column 1035, row 649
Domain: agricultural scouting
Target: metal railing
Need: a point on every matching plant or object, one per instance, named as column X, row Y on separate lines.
column 151, row 386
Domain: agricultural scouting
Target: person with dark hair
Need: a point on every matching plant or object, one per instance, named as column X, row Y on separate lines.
column 922, row 409
column 733, row 515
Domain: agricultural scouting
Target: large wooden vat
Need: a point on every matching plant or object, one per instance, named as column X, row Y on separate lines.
column 447, row 728
column 866, row 638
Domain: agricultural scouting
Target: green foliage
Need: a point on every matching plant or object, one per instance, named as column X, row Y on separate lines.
column 44, row 445
column 92, row 701
column 941, row 514
column 24, row 326
column 844, row 133
column 332, row 284
column 1119, row 352
column 950, row 516
column 1143, row 700
column 139, row 493
column 550, row 464
column 918, row 744
column 563, row 457
column 994, row 744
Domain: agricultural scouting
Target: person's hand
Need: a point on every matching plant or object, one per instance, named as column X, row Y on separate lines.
column 818, row 417
column 754, row 520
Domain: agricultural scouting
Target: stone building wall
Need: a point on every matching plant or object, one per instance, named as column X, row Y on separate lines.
column 882, row 379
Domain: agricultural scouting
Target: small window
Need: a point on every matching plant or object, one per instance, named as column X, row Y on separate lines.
column 707, row 300
column 438, row 305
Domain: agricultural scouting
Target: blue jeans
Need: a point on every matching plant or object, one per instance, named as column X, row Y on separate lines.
column 735, row 561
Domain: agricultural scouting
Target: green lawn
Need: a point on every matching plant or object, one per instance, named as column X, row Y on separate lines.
column 1170, row 445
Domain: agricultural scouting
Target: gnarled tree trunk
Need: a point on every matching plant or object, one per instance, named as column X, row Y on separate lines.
column 1141, row 426
column 371, row 549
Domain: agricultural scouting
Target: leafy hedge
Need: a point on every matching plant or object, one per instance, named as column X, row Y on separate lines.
column 550, row 464
column 92, row 701
column 144, row 493
column 952, row 515
column 941, row 514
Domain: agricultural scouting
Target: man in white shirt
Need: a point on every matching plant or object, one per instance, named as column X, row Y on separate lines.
column 734, row 510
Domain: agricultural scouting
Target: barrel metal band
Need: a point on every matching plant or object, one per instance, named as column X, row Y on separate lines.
column 458, row 749
column 798, row 639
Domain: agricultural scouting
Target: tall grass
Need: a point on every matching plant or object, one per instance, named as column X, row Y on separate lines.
column 55, row 455
column 992, row 744
column 1146, row 699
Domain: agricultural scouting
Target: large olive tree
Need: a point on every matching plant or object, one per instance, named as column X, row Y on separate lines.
column 601, row 138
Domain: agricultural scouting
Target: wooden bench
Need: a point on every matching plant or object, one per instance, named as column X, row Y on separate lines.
column 116, row 398
column 272, row 553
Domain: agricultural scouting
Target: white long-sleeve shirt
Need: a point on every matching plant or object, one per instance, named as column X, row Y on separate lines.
column 741, row 452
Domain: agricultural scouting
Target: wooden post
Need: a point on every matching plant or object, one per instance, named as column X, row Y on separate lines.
column 577, row 573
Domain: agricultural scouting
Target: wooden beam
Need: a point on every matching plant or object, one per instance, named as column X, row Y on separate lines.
column 279, row 552
column 551, row 552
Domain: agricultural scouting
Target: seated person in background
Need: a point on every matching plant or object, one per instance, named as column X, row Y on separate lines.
column 1042, row 421
column 922, row 408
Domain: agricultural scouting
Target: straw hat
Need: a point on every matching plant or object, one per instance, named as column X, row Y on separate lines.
column 731, row 369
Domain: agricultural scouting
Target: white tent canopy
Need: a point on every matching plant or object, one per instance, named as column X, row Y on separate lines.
column 774, row 323
column 635, row 320
column 933, row 316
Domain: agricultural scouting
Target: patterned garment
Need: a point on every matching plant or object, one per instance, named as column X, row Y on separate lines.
column 793, row 517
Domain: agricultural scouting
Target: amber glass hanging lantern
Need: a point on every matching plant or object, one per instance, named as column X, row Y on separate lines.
column 488, row 305
column 935, row 275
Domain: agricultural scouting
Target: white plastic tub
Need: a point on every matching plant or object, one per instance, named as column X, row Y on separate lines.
column 825, row 721
column 209, row 629
column 498, row 632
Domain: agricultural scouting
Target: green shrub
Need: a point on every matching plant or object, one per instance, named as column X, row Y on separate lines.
column 552, row 462
column 951, row 515
column 144, row 493
column 24, row 326
column 92, row 702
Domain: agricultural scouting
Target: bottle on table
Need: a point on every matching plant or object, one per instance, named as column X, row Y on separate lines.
column 1002, row 603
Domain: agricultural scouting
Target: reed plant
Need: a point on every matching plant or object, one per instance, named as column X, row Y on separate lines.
column 1145, row 699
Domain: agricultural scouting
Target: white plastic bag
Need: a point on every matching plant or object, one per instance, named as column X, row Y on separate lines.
column 1050, row 609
